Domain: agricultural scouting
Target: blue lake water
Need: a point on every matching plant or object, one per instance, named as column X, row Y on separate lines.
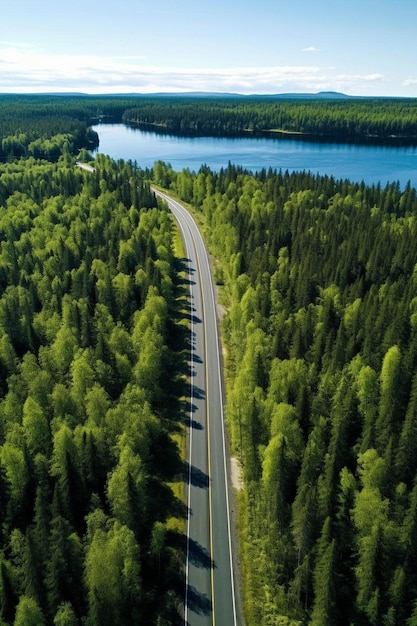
column 371, row 164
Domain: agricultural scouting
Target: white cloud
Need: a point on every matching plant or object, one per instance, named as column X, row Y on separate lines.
column 24, row 70
column 310, row 49
column 410, row 82
column 360, row 77
column 356, row 83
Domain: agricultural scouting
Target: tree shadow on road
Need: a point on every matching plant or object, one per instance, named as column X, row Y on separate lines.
column 199, row 556
column 198, row 393
column 198, row 478
column 198, row 602
column 178, row 409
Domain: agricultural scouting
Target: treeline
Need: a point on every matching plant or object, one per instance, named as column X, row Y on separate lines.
column 329, row 119
column 42, row 143
column 18, row 110
column 321, row 340
column 91, row 363
column 43, row 128
column 361, row 120
column 40, row 125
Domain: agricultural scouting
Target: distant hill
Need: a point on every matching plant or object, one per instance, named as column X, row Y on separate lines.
column 326, row 95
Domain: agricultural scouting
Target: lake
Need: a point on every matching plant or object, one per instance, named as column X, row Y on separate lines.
column 371, row 164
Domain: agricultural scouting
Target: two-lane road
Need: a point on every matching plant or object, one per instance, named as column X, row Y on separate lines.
column 209, row 595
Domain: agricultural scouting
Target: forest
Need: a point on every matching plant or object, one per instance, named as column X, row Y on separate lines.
column 321, row 118
column 92, row 372
column 318, row 278
column 319, row 282
column 361, row 120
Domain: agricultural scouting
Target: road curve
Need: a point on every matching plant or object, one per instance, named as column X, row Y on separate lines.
column 209, row 585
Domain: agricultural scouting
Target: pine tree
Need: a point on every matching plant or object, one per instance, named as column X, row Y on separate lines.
column 28, row 613
column 63, row 579
column 324, row 611
column 9, row 594
column 390, row 402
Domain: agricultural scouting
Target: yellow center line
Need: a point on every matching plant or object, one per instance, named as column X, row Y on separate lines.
column 204, row 316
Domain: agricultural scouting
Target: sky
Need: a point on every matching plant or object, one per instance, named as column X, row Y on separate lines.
column 357, row 47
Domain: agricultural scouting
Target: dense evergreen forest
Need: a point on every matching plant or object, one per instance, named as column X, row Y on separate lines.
column 42, row 127
column 321, row 338
column 32, row 119
column 91, row 362
column 319, row 283
column 346, row 119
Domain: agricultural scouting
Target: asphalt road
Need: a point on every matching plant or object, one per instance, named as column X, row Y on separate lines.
column 209, row 595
